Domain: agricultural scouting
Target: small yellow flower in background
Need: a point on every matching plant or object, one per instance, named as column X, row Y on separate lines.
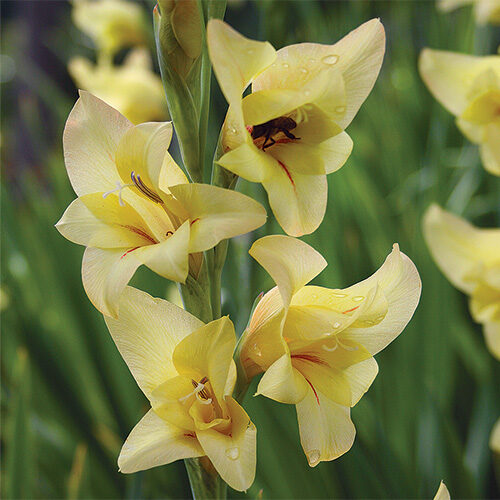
column 185, row 369
column 135, row 205
column 316, row 345
column 288, row 134
column 470, row 258
column 442, row 492
column 111, row 24
column 469, row 88
column 132, row 88
column 495, row 437
column 486, row 11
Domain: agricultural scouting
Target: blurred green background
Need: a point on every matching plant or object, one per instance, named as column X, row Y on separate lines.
column 68, row 400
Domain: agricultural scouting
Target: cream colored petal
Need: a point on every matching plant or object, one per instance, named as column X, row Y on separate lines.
column 91, row 136
column 450, row 76
column 400, row 283
column 491, row 332
column 216, row 214
column 326, row 429
column 236, row 59
column 170, row 174
column 298, row 201
column 146, row 334
column 335, row 151
column 458, row 247
column 282, row 382
column 495, row 437
column 154, row 442
column 360, row 377
column 233, row 456
column 300, row 157
column 208, row 352
column 442, row 492
column 291, row 262
column 94, row 221
column 473, row 132
column 490, row 149
column 249, row 162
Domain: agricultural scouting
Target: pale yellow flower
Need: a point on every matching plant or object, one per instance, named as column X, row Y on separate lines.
column 469, row 88
column 316, row 345
column 442, row 492
column 288, row 134
column 495, row 437
column 135, row 205
column 185, row 369
column 486, row 11
column 111, row 24
column 470, row 258
column 132, row 88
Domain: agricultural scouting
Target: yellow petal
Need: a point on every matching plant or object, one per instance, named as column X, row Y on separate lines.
column 91, row 136
column 360, row 377
column 495, row 437
column 171, row 174
column 400, row 283
column 491, row 332
column 94, row 221
column 154, row 442
column 442, row 492
column 326, row 429
column 490, row 149
column 290, row 262
column 146, row 334
column 217, row 214
column 282, row 382
column 298, row 201
column 335, row 151
column 236, row 60
column 141, row 151
column 208, row 352
column 450, row 76
column 484, row 108
column 233, row 456
column 299, row 157
column 458, row 247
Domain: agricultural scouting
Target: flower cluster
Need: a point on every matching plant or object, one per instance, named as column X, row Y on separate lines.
column 313, row 347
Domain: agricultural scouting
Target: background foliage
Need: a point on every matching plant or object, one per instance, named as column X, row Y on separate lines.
column 68, row 400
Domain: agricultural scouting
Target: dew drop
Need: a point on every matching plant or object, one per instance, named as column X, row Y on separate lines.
column 330, row 59
column 339, row 295
column 340, row 109
column 233, row 453
column 312, row 60
column 307, row 92
column 369, row 322
column 286, row 65
column 232, row 130
column 380, row 318
column 359, row 298
column 303, row 70
column 313, row 457
column 249, row 51
column 336, row 324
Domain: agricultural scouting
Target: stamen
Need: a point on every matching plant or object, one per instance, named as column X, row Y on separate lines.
column 119, row 187
column 199, row 387
column 136, row 179
column 204, row 401
column 330, row 349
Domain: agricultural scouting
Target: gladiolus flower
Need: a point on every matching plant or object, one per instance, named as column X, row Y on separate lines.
column 442, row 492
column 132, row 88
column 495, row 437
column 469, row 88
column 486, row 11
column 185, row 369
column 316, row 345
column 135, row 205
column 111, row 24
column 470, row 258
column 288, row 134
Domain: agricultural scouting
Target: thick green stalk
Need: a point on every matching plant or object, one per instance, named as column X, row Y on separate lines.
column 204, row 480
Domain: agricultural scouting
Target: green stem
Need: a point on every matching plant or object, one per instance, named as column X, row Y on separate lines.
column 204, row 480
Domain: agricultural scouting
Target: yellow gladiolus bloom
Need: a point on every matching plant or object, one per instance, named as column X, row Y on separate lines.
column 486, row 11
column 132, row 88
column 111, row 24
column 470, row 258
column 469, row 88
column 442, row 492
column 185, row 369
column 288, row 134
column 495, row 437
column 135, row 205
column 316, row 345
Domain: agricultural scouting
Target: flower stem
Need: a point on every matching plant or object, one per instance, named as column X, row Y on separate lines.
column 204, row 480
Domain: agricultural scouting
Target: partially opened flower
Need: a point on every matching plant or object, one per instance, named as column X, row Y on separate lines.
column 470, row 258
column 442, row 493
column 288, row 134
column 495, row 437
column 132, row 88
column 486, row 11
column 316, row 345
column 468, row 87
column 111, row 24
column 185, row 369
column 135, row 205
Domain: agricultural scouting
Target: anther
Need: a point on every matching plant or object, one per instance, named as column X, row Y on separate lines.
column 136, row 179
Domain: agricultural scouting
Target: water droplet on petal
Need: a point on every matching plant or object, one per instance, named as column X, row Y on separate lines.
column 380, row 318
column 369, row 322
column 232, row 130
column 249, row 51
column 303, row 70
column 307, row 92
column 286, row 65
column 336, row 324
column 313, row 457
column 340, row 109
column 339, row 295
column 330, row 59
column 312, row 60
column 359, row 298
column 233, row 453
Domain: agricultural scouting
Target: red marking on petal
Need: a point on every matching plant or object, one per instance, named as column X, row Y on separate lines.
column 128, row 251
column 249, row 129
column 311, row 358
column 284, row 140
column 193, row 221
column 314, row 390
column 350, row 310
column 189, row 435
column 287, row 173
column 140, row 232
